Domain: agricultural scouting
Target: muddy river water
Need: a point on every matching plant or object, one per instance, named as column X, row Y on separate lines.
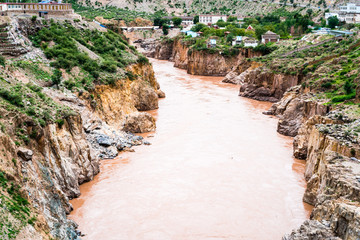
column 216, row 169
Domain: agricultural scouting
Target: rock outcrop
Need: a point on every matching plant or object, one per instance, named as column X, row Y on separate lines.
column 294, row 109
column 208, row 62
column 57, row 160
column 139, row 122
column 263, row 85
column 330, row 146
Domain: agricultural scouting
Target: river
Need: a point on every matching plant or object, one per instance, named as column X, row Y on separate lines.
column 216, row 169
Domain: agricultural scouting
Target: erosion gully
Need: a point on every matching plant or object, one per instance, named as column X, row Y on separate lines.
column 216, row 169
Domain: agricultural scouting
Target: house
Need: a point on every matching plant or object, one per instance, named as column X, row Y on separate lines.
column 250, row 42
column 349, row 13
column 211, row 19
column 237, row 40
column 211, row 43
column 51, row 8
column 192, row 34
column 186, row 20
column 250, row 28
column 269, row 36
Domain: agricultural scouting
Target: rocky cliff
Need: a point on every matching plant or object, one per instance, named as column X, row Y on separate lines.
column 52, row 137
column 333, row 182
column 207, row 62
column 260, row 83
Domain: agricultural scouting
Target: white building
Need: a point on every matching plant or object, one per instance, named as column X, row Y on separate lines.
column 212, row 19
column 186, row 20
column 250, row 42
column 349, row 13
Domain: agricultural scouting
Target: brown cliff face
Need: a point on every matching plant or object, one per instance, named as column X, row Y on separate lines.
column 59, row 159
column 126, row 96
column 294, row 108
column 264, row 85
column 164, row 50
column 208, row 64
column 203, row 62
column 332, row 174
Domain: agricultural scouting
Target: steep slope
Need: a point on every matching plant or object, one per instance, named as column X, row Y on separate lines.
column 62, row 108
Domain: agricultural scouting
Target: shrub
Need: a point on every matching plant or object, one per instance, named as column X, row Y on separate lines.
column 342, row 98
column 33, row 18
column 60, row 122
column 143, row 60
column 13, row 97
column 326, row 85
column 2, row 60
column 56, row 77
column 348, row 87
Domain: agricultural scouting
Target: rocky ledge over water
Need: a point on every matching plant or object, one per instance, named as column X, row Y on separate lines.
column 327, row 138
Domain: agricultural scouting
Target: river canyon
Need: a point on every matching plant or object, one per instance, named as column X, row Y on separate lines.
column 216, row 169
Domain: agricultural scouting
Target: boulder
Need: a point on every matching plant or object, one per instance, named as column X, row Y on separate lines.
column 104, row 140
column 160, row 94
column 144, row 96
column 139, row 122
column 25, row 154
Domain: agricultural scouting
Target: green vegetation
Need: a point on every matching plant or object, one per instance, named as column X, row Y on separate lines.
column 177, row 21
column 329, row 69
column 14, row 208
column 61, row 43
column 30, row 100
column 110, row 12
column 333, row 22
column 294, row 23
column 2, row 61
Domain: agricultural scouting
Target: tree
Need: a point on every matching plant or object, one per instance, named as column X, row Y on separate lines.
column 165, row 29
column 56, row 77
column 177, row 21
column 198, row 27
column 309, row 12
column 161, row 21
column 260, row 31
column 232, row 19
column 333, row 21
column 196, row 19
column 348, row 87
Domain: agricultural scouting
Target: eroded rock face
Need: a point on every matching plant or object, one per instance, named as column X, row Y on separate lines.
column 311, row 230
column 333, row 182
column 261, row 84
column 139, row 122
column 164, row 50
column 127, row 96
column 144, row 96
column 61, row 159
column 294, row 109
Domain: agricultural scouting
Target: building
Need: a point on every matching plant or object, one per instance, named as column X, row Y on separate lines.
column 211, row 19
column 192, row 34
column 250, row 42
column 269, row 36
column 349, row 13
column 53, row 8
column 250, row 28
column 237, row 40
column 186, row 20
column 211, row 43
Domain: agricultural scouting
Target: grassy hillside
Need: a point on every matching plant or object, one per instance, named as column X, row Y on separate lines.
column 330, row 69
